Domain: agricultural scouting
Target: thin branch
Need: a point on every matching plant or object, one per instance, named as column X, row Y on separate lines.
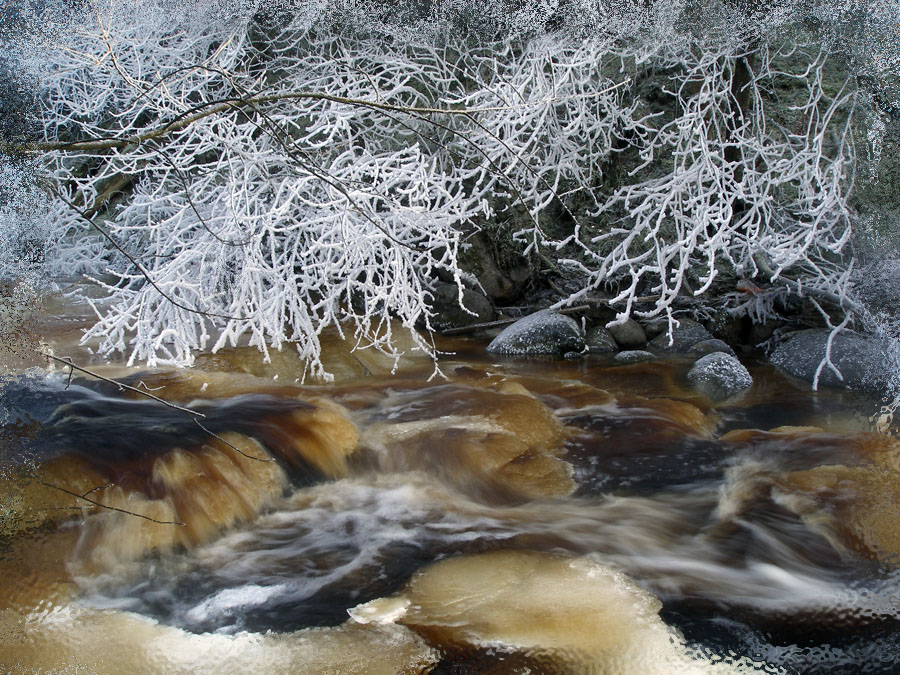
column 68, row 362
column 233, row 447
column 110, row 508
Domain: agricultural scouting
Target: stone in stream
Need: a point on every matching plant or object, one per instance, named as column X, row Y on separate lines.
column 865, row 362
column 499, row 444
column 600, row 341
column 719, row 376
column 684, row 336
column 635, row 356
column 544, row 332
column 628, row 335
column 853, row 504
column 555, row 613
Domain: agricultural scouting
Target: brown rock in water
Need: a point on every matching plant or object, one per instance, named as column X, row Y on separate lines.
column 163, row 497
column 854, row 505
column 557, row 612
column 863, row 501
column 74, row 639
column 499, row 444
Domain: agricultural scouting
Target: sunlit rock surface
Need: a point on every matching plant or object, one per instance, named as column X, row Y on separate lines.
column 72, row 639
column 499, row 443
column 573, row 613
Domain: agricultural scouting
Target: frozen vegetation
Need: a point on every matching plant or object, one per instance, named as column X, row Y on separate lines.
column 245, row 170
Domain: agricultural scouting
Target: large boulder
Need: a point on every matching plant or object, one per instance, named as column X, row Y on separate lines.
column 684, row 336
column 447, row 310
column 719, row 376
column 544, row 332
column 866, row 363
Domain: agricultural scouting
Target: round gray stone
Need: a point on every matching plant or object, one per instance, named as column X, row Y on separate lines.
column 634, row 356
column 719, row 376
column 628, row 335
column 600, row 341
column 544, row 332
column 684, row 336
column 710, row 347
column 449, row 314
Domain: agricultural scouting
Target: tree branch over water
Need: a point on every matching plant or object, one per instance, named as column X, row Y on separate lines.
column 268, row 177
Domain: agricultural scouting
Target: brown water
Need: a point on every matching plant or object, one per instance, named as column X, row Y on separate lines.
column 516, row 516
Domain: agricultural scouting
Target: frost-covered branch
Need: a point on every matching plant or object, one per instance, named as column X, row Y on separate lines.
column 263, row 177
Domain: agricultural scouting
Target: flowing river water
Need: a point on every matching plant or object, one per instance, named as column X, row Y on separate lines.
column 514, row 516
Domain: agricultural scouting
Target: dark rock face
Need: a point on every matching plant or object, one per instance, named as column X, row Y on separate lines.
column 448, row 313
column 719, row 376
column 600, row 341
column 544, row 332
column 865, row 362
column 726, row 327
column 684, row 336
column 878, row 286
column 628, row 335
column 710, row 347
column 499, row 284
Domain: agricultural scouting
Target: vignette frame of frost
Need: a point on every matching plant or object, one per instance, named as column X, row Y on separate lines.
column 265, row 172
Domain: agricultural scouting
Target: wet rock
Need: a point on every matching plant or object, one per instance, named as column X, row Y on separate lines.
column 564, row 614
column 628, row 335
column 600, row 341
column 684, row 336
column 853, row 505
column 498, row 445
column 449, row 314
column 634, row 356
column 719, row 376
column 710, row 347
column 865, row 362
column 544, row 332
column 726, row 327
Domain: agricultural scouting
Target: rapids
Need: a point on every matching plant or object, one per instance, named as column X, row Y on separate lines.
column 516, row 515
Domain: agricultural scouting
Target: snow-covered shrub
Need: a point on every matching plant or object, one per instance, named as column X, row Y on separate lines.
column 269, row 172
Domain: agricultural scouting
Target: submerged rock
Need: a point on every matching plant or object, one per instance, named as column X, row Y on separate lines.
column 719, row 376
column 544, row 332
column 684, row 336
column 498, row 445
column 865, row 362
column 555, row 613
column 628, row 335
column 711, row 347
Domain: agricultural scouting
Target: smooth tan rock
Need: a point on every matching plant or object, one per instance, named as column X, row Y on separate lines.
column 572, row 613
